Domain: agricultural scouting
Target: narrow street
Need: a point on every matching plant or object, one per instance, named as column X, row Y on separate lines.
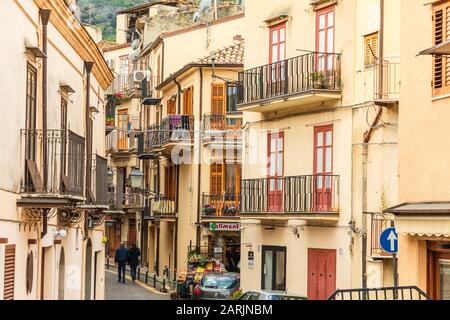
column 129, row 290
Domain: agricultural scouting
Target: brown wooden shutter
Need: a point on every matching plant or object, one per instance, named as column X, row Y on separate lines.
column 441, row 33
column 370, row 50
column 170, row 182
column 172, row 106
column 187, row 101
column 10, row 266
column 218, row 98
column 216, row 178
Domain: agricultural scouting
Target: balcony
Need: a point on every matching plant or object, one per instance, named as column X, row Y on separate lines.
column 220, row 206
column 124, row 87
column 313, row 197
column 150, row 143
column 121, row 144
column 119, row 200
column 55, row 176
column 220, row 129
column 164, row 208
column 301, row 83
column 386, row 82
column 99, row 187
column 176, row 131
column 150, row 95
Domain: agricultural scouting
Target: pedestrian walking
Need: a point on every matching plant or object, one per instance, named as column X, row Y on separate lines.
column 133, row 260
column 121, row 259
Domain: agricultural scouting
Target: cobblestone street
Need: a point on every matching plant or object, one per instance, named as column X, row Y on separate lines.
column 129, row 290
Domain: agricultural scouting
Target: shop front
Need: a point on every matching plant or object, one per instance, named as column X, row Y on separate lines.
column 224, row 244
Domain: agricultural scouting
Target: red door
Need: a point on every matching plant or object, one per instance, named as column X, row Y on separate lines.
column 325, row 39
column 323, row 168
column 321, row 273
column 277, row 57
column 275, row 154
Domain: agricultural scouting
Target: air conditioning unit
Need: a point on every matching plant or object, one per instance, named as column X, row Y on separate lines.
column 111, row 63
column 139, row 76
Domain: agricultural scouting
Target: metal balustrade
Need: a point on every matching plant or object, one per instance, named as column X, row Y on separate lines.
column 220, row 205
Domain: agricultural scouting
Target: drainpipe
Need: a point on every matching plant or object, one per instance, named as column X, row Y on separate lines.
column 88, row 67
column 45, row 17
column 177, row 195
column 198, row 225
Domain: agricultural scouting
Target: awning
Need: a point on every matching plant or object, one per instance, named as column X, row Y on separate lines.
column 440, row 49
column 424, row 219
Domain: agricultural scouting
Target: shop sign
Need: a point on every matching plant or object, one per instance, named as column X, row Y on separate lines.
column 251, row 259
column 218, row 250
column 215, row 226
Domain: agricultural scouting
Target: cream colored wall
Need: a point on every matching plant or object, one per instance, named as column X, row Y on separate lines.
column 115, row 55
column 64, row 67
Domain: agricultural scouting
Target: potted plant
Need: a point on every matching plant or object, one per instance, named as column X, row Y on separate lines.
column 110, row 121
column 318, row 79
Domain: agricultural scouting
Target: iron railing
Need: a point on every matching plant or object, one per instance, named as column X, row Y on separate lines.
column 120, row 84
column 121, row 141
column 148, row 86
column 100, row 179
column 220, row 205
column 299, row 194
column 177, row 128
column 312, row 71
column 379, row 223
column 64, row 159
column 388, row 293
column 119, row 200
column 152, row 137
column 220, row 126
column 164, row 206
column 386, row 80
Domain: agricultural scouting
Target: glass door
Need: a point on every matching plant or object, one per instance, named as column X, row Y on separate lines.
column 274, row 268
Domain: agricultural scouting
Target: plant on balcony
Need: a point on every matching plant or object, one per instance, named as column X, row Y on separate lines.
column 318, row 79
column 208, row 210
column 230, row 211
column 110, row 122
column 120, row 97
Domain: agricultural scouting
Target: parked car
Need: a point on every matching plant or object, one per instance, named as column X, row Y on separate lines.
column 270, row 295
column 217, row 286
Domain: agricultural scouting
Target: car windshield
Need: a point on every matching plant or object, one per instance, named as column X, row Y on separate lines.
column 275, row 297
column 218, row 282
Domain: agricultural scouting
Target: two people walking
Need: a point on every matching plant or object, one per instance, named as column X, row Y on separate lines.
column 124, row 256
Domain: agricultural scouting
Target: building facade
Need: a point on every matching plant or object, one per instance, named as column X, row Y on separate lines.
column 53, row 191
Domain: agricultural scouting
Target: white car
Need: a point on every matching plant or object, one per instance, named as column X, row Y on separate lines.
column 270, row 295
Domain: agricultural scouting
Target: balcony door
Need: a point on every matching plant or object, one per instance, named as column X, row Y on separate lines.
column 325, row 39
column 218, row 106
column 275, row 152
column 273, row 268
column 323, row 168
column 277, row 59
column 123, row 120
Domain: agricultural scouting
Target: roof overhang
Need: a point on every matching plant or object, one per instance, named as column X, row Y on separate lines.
column 429, row 209
column 441, row 49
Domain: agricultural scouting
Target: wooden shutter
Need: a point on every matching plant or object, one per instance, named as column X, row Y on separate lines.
column 10, row 267
column 172, row 106
column 170, row 182
column 441, row 33
column 216, row 178
column 187, row 101
column 218, row 98
column 370, row 50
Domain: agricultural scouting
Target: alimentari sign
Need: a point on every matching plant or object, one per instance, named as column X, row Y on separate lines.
column 214, row 226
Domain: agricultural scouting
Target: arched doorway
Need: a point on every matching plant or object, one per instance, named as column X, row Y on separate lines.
column 88, row 271
column 61, row 275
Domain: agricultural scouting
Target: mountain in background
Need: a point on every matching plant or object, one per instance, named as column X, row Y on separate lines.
column 102, row 13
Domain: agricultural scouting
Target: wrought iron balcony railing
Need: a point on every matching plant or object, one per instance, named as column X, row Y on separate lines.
column 220, row 205
column 177, row 128
column 58, row 170
column 164, row 206
column 221, row 126
column 121, row 141
column 386, row 80
column 99, row 186
column 291, row 195
column 309, row 72
column 152, row 137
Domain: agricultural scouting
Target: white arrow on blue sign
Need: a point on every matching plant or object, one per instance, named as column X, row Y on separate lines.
column 389, row 240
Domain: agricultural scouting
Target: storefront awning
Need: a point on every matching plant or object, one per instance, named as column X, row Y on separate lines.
column 426, row 219
column 440, row 49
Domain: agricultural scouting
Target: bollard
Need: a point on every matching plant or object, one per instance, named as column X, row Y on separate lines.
column 107, row 262
column 139, row 274
column 146, row 277
column 154, row 281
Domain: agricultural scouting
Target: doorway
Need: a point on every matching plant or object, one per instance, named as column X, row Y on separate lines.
column 273, row 275
column 61, row 275
column 439, row 270
column 321, row 273
column 275, row 158
column 88, row 271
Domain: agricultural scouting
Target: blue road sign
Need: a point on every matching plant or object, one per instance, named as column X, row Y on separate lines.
column 389, row 240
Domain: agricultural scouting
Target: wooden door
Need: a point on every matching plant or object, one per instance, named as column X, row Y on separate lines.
column 123, row 121
column 323, row 168
column 216, row 186
column 325, row 39
column 440, row 275
column 131, row 232
column 275, row 157
column 321, row 273
column 218, row 106
column 277, row 57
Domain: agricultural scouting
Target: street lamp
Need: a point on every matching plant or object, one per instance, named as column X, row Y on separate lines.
column 136, row 178
column 110, row 176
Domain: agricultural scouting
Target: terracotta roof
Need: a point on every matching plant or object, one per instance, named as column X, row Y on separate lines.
column 232, row 54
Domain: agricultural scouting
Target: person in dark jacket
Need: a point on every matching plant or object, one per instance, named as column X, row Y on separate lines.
column 121, row 259
column 133, row 260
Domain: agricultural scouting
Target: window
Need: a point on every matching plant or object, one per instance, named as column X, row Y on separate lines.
column 172, row 106
column 63, row 129
column 218, row 98
column 275, row 158
column 323, row 167
column 232, row 96
column 9, row 272
column 441, row 33
column 187, row 101
column 216, row 178
column 30, row 117
column 170, row 182
column 123, row 121
column 277, row 43
column 370, row 50
column 325, row 38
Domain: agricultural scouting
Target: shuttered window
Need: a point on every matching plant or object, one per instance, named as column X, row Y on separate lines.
column 370, row 50
column 172, row 106
column 218, row 98
column 187, row 101
column 10, row 266
column 170, row 182
column 441, row 33
column 216, row 178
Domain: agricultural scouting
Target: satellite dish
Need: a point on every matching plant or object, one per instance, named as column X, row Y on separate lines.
column 134, row 55
column 76, row 11
column 204, row 7
column 135, row 44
